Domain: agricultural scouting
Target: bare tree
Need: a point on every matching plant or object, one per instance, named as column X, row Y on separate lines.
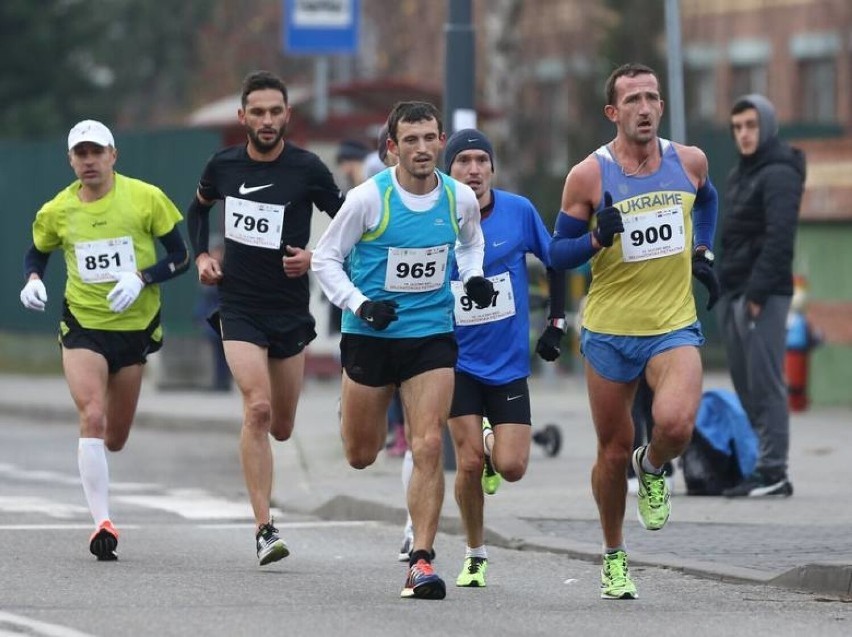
column 500, row 83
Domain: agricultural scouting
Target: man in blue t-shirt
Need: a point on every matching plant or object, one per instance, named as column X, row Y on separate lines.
column 494, row 357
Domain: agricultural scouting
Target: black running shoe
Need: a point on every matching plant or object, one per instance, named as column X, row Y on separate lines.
column 760, row 484
column 104, row 541
column 270, row 546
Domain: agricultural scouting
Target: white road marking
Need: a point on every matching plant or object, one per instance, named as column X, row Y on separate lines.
column 15, row 624
column 209, row 527
column 291, row 525
column 193, row 504
column 58, row 527
column 25, row 475
column 42, row 506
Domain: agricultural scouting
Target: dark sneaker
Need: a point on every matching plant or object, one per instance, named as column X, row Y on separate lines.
column 423, row 583
column 270, row 546
column 104, row 541
column 759, row 484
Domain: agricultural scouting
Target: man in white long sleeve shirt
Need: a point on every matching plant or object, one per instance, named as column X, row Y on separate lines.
column 386, row 260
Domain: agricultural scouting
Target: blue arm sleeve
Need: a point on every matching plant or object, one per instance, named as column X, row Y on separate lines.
column 174, row 263
column 704, row 214
column 571, row 245
column 35, row 261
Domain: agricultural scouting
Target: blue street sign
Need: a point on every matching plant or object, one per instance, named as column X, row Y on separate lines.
column 321, row 27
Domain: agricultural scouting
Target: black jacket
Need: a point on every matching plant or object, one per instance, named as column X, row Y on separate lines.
column 764, row 192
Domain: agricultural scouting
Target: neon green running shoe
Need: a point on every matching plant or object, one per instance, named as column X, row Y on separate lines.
column 654, row 496
column 473, row 573
column 615, row 578
column 490, row 478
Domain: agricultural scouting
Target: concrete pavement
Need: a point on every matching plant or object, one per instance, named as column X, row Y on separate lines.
column 803, row 542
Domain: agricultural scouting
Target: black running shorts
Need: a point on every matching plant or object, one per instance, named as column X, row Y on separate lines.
column 378, row 362
column 120, row 349
column 509, row 403
column 282, row 335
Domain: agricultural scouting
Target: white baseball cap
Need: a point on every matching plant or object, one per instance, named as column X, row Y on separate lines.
column 90, row 130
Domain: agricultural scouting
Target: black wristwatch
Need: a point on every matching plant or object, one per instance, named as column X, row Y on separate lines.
column 706, row 254
column 560, row 323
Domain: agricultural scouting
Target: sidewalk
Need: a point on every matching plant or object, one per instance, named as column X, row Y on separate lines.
column 803, row 542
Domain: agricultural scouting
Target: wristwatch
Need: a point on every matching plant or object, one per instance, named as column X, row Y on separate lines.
column 706, row 254
column 558, row 323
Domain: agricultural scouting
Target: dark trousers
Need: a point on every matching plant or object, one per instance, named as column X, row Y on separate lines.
column 755, row 351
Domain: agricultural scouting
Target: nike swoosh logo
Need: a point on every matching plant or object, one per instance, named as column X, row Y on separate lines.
column 245, row 191
column 497, row 245
column 369, row 319
column 508, row 398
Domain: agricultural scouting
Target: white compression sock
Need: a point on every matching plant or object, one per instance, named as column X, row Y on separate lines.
column 94, row 473
column 407, row 468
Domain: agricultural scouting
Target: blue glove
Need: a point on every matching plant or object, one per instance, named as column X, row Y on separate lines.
column 609, row 223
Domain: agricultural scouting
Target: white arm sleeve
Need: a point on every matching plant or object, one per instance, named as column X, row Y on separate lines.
column 470, row 246
column 360, row 213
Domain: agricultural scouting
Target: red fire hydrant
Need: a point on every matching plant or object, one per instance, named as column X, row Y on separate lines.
column 801, row 339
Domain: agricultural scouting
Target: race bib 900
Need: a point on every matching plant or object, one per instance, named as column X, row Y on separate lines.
column 652, row 235
column 98, row 260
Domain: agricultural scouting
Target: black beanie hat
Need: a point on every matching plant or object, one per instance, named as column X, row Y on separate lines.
column 466, row 139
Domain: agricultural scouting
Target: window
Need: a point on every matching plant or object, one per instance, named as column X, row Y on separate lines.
column 701, row 94
column 751, row 78
column 817, row 95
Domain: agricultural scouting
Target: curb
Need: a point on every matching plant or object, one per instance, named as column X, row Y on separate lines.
column 832, row 580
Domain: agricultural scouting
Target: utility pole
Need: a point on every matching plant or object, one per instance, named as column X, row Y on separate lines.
column 459, row 111
column 676, row 102
column 459, row 68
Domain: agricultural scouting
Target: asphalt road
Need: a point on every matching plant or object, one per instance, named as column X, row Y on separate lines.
column 187, row 564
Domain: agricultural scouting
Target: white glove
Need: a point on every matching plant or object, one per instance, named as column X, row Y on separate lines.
column 34, row 295
column 125, row 291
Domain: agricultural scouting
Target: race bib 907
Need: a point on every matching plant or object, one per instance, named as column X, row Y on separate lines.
column 502, row 303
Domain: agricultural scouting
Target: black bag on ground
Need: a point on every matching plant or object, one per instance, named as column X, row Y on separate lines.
column 706, row 470
column 723, row 448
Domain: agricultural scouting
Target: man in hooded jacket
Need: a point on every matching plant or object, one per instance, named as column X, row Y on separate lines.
column 758, row 236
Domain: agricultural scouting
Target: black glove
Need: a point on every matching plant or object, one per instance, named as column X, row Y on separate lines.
column 548, row 343
column 702, row 270
column 609, row 223
column 378, row 314
column 480, row 290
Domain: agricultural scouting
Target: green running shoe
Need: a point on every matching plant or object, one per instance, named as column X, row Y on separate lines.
column 615, row 578
column 654, row 496
column 473, row 572
column 490, row 478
